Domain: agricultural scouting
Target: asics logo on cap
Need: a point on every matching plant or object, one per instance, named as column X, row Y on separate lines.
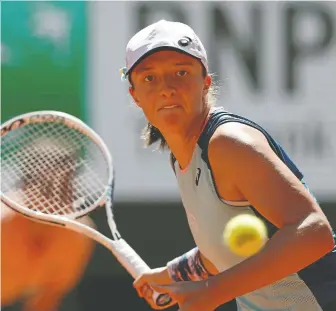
column 184, row 41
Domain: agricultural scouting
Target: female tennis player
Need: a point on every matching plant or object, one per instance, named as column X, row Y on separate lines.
column 226, row 165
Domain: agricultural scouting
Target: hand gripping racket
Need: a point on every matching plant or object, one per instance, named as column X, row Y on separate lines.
column 56, row 169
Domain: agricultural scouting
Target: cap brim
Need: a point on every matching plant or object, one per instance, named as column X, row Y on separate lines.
column 161, row 48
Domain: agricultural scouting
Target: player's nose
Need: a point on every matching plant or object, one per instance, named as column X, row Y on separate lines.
column 167, row 88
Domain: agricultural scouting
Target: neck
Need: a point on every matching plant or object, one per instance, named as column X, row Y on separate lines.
column 182, row 143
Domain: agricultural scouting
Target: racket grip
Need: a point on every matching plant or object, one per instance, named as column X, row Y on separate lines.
column 134, row 264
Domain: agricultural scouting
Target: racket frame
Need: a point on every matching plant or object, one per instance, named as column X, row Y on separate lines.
column 74, row 123
column 117, row 246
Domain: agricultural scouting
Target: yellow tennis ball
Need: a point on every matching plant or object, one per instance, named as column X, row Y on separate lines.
column 245, row 235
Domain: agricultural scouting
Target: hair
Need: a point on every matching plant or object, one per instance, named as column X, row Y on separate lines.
column 152, row 135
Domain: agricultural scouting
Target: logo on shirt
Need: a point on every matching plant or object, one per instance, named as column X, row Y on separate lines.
column 198, row 175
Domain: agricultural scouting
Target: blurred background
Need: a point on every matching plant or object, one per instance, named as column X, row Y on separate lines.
column 275, row 62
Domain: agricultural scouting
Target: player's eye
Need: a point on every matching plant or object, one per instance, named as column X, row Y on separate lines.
column 182, row 73
column 149, row 78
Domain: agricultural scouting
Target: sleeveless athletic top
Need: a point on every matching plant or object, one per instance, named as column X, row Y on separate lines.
column 207, row 214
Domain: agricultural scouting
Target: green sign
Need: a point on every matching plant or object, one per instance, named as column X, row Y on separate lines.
column 43, row 57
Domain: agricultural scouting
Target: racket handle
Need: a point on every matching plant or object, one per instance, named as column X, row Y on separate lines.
column 134, row 264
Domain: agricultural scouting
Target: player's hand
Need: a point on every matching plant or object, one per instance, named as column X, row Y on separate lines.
column 192, row 296
column 144, row 282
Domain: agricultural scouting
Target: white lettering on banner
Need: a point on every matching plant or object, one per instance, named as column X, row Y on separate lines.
column 276, row 63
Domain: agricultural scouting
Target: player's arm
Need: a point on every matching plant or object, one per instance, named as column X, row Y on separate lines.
column 241, row 155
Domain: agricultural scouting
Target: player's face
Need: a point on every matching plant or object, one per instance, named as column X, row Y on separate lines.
column 170, row 88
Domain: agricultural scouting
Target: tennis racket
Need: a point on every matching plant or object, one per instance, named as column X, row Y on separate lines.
column 56, row 169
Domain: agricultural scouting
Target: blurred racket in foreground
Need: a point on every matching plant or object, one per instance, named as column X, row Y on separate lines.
column 55, row 169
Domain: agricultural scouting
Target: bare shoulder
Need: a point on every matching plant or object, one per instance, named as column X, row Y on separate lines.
column 242, row 159
column 236, row 151
column 236, row 139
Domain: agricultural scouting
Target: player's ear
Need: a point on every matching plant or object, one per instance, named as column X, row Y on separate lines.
column 207, row 84
column 133, row 94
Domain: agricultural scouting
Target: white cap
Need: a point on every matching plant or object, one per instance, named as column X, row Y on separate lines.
column 160, row 35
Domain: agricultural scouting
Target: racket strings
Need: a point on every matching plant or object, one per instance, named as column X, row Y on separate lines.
column 42, row 179
column 51, row 168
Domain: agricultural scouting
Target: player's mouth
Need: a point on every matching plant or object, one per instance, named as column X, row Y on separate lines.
column 169, row 107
